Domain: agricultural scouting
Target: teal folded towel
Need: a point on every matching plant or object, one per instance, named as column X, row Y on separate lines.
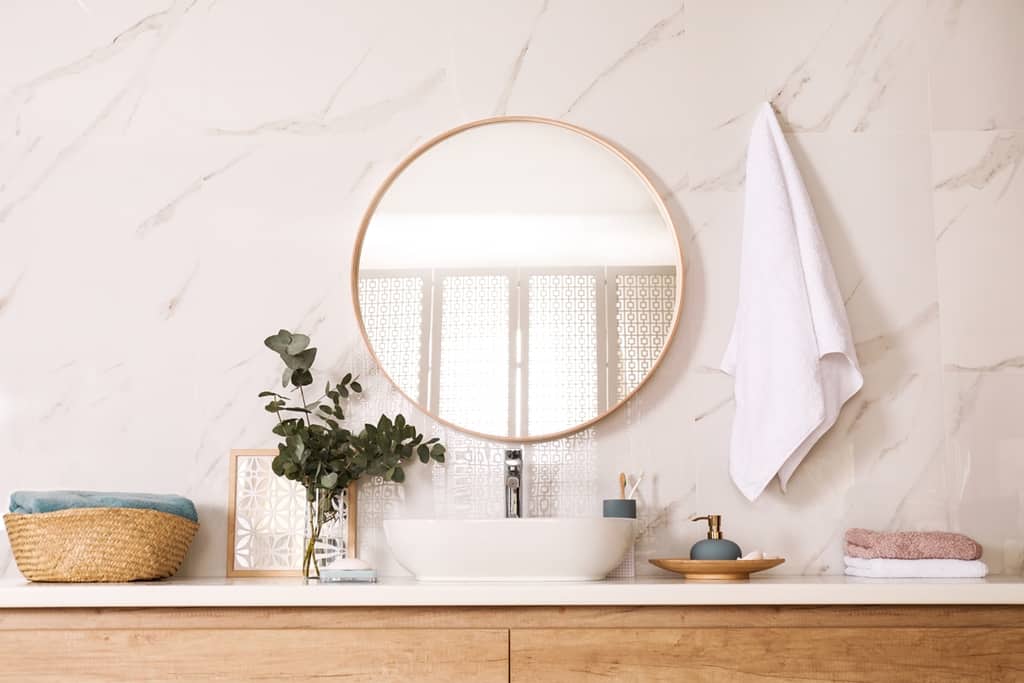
column 31, row 502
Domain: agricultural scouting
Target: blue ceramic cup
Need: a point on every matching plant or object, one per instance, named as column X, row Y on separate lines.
column 620, row 507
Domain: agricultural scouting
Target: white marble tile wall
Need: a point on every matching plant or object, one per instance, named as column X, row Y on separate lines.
column 179, row 178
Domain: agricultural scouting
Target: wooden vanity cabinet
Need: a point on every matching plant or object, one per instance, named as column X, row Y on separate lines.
column 522, row 644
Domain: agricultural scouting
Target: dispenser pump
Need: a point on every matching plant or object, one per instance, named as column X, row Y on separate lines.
column 714, row 525
column 714, row 547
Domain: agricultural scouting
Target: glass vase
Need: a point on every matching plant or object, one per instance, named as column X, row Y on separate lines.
column 327, row 530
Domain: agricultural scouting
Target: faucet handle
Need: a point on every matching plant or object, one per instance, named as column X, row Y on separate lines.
column 513, row 457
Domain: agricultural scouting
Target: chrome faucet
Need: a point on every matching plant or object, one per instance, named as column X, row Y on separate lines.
column 513, row 484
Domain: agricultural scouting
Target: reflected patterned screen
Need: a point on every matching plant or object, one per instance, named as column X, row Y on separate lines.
column 393, row 315
column 517, row 346
column 473, row 384
column 562, row 352
column 644, row 303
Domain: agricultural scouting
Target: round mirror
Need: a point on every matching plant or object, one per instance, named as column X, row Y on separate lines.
column 518, row 278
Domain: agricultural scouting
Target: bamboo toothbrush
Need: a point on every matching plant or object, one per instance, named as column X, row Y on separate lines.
column 622, row 485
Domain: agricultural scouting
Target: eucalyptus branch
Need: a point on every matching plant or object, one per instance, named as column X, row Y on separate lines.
column 324, row 455
column 302, row 394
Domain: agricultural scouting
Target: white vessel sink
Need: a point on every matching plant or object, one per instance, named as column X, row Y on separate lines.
column 536, row 549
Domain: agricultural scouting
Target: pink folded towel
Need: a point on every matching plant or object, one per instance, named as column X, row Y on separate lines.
column 911, row 545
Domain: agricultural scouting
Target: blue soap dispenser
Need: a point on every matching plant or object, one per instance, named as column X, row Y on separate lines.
column 714, row 547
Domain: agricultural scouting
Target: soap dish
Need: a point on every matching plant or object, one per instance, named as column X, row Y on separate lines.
column 715, row 570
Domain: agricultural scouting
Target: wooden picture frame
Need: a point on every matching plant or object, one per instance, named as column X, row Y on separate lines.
column 234, row 571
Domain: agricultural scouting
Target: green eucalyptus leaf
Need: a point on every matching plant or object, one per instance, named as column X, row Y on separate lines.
column 297, row 344
column 323, row 455
column 306, row 358
column 278, row 342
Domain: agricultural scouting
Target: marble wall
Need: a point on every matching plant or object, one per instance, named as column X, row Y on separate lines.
column 179, row 179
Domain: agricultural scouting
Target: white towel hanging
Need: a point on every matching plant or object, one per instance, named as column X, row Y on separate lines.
column 791, row 351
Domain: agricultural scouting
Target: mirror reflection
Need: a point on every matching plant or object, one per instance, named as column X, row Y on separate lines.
column 518, row 279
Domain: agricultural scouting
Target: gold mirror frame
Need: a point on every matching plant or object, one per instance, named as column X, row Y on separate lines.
column 423, row 149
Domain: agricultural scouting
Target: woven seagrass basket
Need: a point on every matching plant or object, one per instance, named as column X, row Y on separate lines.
column 99, row 544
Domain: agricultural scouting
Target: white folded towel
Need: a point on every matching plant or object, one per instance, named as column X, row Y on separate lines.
column 882, row 568
column 791, row 351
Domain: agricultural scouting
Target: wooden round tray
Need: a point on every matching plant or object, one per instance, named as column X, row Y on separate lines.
column 715, row 570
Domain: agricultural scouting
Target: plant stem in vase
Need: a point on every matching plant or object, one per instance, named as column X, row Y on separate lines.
column 312, row 533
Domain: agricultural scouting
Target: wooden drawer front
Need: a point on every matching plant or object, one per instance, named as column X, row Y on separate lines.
column 735, row 655
column 254, row 654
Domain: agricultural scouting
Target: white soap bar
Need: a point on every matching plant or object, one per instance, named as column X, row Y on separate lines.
column 753, row 555
column 349, row 563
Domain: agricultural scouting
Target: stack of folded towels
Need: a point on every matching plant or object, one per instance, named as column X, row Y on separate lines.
column 912, row 554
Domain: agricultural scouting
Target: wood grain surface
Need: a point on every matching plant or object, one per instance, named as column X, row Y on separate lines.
column 740, row 655
column 88, row 656
column 534, row 644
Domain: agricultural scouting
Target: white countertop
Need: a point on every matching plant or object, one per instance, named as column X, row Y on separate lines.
column 289, row 592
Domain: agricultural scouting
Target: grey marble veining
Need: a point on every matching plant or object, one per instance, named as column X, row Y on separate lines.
column 178, row 179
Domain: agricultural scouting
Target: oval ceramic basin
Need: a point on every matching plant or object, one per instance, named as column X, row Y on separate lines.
column 536, row 549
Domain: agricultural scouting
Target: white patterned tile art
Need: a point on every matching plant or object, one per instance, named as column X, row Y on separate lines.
column 269, row 517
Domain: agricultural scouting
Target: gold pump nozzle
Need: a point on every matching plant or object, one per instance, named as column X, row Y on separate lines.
column 714, row 525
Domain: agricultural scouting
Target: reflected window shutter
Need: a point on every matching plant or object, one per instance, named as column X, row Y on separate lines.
column 475, row 327
column 644, row 300
column 562, row 352
column 393, row 308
